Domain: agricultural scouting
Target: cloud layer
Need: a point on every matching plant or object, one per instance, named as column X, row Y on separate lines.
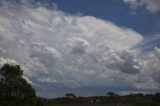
column 151, row 5
column 68, row 53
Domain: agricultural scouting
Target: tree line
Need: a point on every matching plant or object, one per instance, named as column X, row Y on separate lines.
column 110, row 98
column 16, row 91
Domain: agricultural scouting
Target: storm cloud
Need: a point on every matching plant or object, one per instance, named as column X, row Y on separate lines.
column 62, row 53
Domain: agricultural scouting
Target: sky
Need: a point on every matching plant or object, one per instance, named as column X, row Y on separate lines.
column 87, row 47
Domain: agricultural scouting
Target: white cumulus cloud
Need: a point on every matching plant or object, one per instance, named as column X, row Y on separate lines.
column 62, row 53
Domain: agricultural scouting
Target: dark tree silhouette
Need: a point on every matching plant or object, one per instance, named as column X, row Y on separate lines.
column 14, row 89
column 110, row 94
column 70, row 95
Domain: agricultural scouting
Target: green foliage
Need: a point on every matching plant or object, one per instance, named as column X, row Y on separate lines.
column 14, row 89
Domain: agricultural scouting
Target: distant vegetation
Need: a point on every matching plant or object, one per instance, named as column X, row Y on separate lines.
column 15, row 91
column 114, row 99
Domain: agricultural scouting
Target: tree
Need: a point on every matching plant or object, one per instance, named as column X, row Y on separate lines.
column 110, row 94
column 70, row 95
column 157, row 97
column 14, row 89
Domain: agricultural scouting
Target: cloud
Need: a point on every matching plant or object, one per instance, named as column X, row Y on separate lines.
column 62, row 53
column 40, row 52
column 7, row 60
column 151, row 5
column 124, row 61
column 148, row 43
column 78, row 45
